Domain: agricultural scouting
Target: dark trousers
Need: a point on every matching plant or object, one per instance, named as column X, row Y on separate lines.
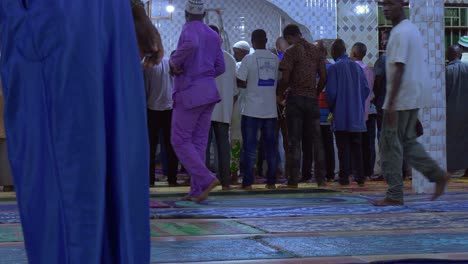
column 368, row 146
column 223, row 150
column 303, row 119
column 250, row 127
column 329, row 147
column 350, row 154
column 161, row 121
column 379, row 120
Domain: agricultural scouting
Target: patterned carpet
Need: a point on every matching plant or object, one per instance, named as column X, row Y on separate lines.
column 308, row 225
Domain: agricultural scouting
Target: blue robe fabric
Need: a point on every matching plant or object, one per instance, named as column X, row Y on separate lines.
column 76, row 125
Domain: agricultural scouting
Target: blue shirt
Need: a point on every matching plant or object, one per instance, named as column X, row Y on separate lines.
column 347, row 91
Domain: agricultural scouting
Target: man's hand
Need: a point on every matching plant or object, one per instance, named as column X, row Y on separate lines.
column 390, row 113
column 175, row 71
column 149, row 40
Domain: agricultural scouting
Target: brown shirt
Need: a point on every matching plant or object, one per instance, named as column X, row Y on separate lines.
column 304, row 61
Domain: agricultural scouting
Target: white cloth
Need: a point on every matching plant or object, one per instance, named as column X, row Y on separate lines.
column 243, row 45
column 260, row 70
column 227, row 88
column 158, row 87
column 465, row 58
column 405, row 46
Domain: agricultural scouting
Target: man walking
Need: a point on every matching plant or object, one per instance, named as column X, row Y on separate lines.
column 406, row 73
column 196, row 63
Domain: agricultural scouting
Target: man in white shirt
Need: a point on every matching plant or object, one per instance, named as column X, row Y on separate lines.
column 221, row 118
column 158, row 87
column 241, row 49
column 258, row 73
column 406, row 89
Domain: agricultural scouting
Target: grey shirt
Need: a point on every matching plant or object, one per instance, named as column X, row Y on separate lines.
column 158, row 87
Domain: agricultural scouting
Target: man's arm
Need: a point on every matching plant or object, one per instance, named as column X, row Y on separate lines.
column 286, row 67
column 322, row 71
column 243, row 73
column 332, row 84
column 365, row 88
column 396, row 85
column 220, row 64
column 148, row 37
column 187, row 44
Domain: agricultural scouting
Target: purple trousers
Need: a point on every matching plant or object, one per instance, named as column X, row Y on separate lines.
column 189, row 138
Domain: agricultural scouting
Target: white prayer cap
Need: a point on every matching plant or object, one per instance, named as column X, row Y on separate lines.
column 196, row 7
column 243, row 45
column 463, row 41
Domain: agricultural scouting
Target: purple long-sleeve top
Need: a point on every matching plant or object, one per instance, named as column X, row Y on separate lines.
column 200, row 56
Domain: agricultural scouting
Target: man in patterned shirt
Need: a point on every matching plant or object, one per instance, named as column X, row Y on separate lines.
column 300, row 65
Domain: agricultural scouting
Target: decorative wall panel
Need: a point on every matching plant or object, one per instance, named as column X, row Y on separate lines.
column 357, row 22
column 240, row 18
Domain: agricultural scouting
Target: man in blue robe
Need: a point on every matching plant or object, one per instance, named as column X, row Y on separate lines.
column 76, row 123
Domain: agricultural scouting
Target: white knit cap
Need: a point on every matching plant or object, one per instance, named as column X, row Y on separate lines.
column 196, row 7
column 243, row 45
column 463, row 41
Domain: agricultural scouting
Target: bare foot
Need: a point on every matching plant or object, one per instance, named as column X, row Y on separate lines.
column 440, row 187
column 245, row 188
column 227, row 188
column 207, row 191
column 186, row 198
column 387, row 202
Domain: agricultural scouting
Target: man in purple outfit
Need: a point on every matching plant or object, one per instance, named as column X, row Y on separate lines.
column 196, row 63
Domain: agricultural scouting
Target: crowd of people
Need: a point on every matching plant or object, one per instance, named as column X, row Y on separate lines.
column 290, row 105
column 80, row 133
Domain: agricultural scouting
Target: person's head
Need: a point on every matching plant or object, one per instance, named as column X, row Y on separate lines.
column 454, row 53
column 195, row 10
column 281, row 45
column 358, row 51
column 393, row 10
column 292, row 34
column 214, row 28
column 384, row 39
column 259, row 39
column 321, row 46
column 338, row 48
column 463, row 42
column 241, row 49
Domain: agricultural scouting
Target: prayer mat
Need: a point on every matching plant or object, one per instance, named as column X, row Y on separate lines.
column 164, row 229
column 358, row 223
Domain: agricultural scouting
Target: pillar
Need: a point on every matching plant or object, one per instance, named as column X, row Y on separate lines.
column 429, row 18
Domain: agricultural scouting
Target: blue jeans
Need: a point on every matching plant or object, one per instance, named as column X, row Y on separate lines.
column 250, row 127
